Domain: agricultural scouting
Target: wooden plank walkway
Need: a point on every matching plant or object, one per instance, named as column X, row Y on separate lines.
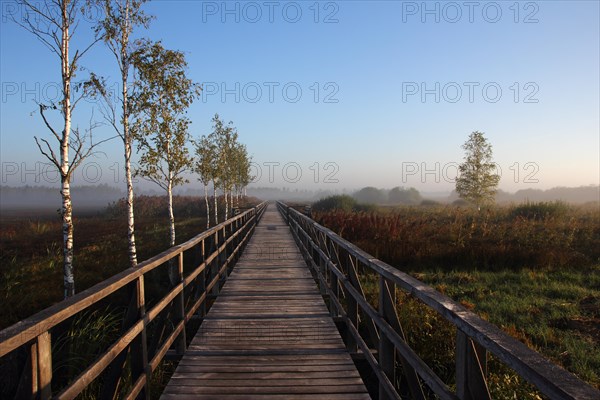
column 269, row 334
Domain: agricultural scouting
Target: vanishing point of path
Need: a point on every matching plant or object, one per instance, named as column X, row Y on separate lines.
column 269, row 334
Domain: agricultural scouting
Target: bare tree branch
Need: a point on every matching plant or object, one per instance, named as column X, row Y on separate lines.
column 51, row 156
column 42, row 108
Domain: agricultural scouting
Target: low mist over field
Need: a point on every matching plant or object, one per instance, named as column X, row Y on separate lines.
column 95, row 198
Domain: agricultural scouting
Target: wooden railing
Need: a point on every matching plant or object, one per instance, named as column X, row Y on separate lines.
column 337, row 265
column 211, row 257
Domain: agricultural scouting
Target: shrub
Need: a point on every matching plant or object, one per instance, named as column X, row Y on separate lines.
column 339, row 202
column 461, row 203
column 429, row 203
column 366, row 208
column 541, row 210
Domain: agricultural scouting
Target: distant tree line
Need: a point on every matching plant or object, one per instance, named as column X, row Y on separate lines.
column 395, row 196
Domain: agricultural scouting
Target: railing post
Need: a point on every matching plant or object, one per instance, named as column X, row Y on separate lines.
column 224, row 255
column 335, row 288
column 214, row 268
column 470, row 369
column 139, row 346
column 352, row 310
column 42, row 366
column 355, row 282
column 391, row 317
column 322, row 265
column 180, row 308
column 202, row 279
column 387, row 351
column 287, row 214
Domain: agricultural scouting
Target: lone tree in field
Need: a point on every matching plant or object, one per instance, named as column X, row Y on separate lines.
column 120, row 19
column 163, row 95
column 477, row 181
column 54, row 23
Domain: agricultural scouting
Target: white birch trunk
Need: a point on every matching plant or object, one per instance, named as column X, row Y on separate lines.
column 226, row 205
column 172, row 268
column 67, row 207
column 127, row 143
column 171, row 216
column 207, row 206
column 216, row 206
column 130, row 214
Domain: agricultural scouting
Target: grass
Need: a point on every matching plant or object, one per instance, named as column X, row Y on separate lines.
column 32, row 264
column 533, row 270
column 556, row 313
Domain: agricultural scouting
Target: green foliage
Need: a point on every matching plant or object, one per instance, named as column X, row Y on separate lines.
column 541, row 210
column 204, row 163
column 477, row 181
column 222, row 159
column 163, row 95
column 120, row 19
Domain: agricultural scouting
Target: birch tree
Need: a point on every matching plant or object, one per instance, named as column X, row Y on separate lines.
column 477, row 182
column 163, row 94
column 213, row 139
column 225, row 137
column 204, row 166
column 54, row 23
column 121, row 17
column 242, row 175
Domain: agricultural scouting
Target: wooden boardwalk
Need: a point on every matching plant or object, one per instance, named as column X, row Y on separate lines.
column 269, row 334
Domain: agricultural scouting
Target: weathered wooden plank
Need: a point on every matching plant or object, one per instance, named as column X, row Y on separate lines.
column 269, row 333
column 202, row 376
column 321, row 359
column 249, row 390
column 199, row 368
column 304, row 396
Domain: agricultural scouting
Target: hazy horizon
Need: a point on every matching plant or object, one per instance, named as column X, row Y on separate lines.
column 34, row 199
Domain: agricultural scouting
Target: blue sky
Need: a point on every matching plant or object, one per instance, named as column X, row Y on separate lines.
column 378, row 93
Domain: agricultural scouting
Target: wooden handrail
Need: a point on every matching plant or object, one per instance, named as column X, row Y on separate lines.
column 226, row 241
column 335, row 263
